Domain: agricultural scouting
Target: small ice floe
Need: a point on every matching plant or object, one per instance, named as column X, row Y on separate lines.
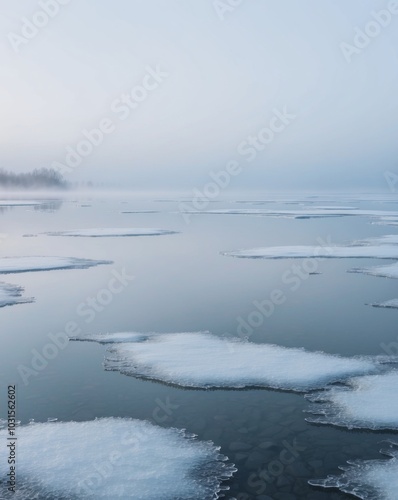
column 112, row 458
column 112, row 338
column 305, row 213
column 329, row 252
column 20, row 203
column 368, row 402
column 113, row 232
column 389, row 304
column 367, row 479
column 12, row 294
column 387, row 221
column 390, row 271
column 202, row 360
column 29, row 264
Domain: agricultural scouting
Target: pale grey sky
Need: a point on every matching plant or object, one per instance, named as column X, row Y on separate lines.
column 218, row 70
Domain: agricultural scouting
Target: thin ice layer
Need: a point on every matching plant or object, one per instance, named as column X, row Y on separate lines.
column 113, row 232
column 112, row 338
column 11, row 295
column 112, row 458
column 30, row 264
column 369, row 480
column 20, row 203
column 390, row 271
column 330, row 252
column 368, row 402
column 387, row 239
column 203, row 360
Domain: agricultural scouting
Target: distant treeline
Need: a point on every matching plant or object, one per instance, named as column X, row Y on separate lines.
column 43, row 178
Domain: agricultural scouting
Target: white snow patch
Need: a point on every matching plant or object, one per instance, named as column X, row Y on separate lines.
column 367, row 479
column 336, row 252
column 202, row 360
column 109, row 232
column 29, row 264
column 112, row 458
column 368, row 402
column 11, row 295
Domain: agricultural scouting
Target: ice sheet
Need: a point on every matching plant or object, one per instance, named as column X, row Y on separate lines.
column 202, row 360
column 107, row 232
column 368, row 402
column 11, row 295
column 369, row 480
column 112, row 458
column 336, row 252
column 390, row 271
column 30, row 264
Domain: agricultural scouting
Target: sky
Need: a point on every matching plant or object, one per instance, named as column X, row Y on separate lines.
column 300, row 94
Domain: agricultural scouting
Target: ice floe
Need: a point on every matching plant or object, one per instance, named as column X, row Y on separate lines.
column 11, row 295
column 112, row 458
column 389, row 304
column 306, row 213
column 327, row 252
column 368, row 402
column 388, row 239
column 112, row 338
column 367, row 479
column 202, row 360
column 20, row 203
column 390, row 271
column 109, row 232
column 29, row 264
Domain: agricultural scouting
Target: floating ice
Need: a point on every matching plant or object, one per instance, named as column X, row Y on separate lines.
column 112, row 338
column 202, row 360
column 29, row 264
column 367, row 479
column 11, row 295
column 112, row 458
column 20, row 203
column 390, row 271
column 307, row 213
column 106, row 232
column 388, row 239
column 330, row 252
column 368, row 402
column 387, row 221
column 389, row 304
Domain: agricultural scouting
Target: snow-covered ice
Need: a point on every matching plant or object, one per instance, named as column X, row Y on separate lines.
column 329, row 252
column 202, row 360
column 42, row 263
column 11, row 295
column 112, row 458
column 367, row 479
column 109, row 232
column 389, row 304
column 368, row 402
column 390, row 271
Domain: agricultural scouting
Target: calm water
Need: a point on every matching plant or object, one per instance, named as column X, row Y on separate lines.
column 182, row 283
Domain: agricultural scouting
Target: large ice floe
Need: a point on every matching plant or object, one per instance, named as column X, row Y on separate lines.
column 327, row 252
column 11, row 295
column 390, row 271
column 28, row 264
column 367, row 402
column 112, row 232
column 367, row 479
column 112, row 458
column 202, row 360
